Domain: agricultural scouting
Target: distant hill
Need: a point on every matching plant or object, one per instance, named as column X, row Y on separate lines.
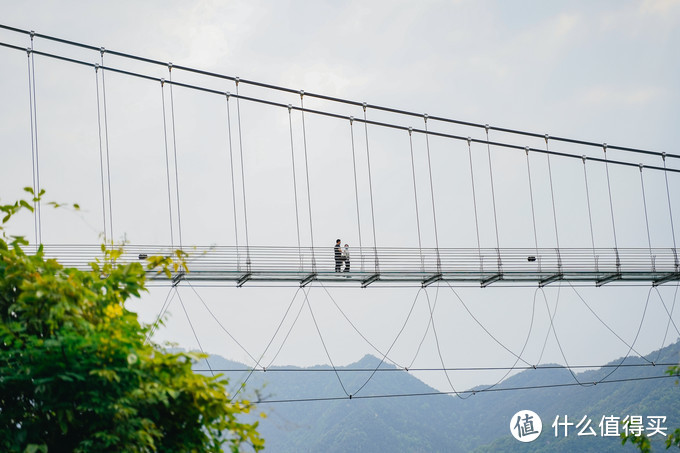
column 446, row 423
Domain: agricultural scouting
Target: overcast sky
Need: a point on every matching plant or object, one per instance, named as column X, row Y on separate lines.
column 602, row 71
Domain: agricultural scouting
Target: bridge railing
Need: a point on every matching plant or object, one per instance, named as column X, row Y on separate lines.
column 391, row 260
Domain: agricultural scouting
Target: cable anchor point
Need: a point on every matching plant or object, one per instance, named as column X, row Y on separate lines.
column 351, row 120
column 547, row 137
column 469, row 140
column 162, row 82
column 31, row 34
column 663, row 156
column 102, row 51
column 28, row 51
column 526, row 150
column 487, row 127
column 364, row 105
column 410, row 130
column 290, row 107
column 96, row 67
column 604, row 148
column 302, row 93
column 641, row 165
column 237, row 80
column 425, row 117
column 583, row 158
column 227, row 95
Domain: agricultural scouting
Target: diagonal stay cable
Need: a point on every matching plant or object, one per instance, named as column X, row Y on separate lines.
column 323, row 343
column 606, row 325
column 551, row 316
column 285, row 339
column 179, row 296
column 427, row 329
column 669, row 313
column 241, row 386
column 382, row 360
column 483, row 327
column 355, row 327
column 637, row 334
column 161, row 313
column 630, row 347
column 518, row 358
column 670, row 317
column 569, row 367
column 439, row 351
column 616, row 367
column 224, row 329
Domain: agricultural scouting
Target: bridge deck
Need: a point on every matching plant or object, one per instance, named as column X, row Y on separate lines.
column 368, row 266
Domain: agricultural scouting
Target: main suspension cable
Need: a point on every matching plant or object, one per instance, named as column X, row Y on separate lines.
column 329, row 98
column 345, row 117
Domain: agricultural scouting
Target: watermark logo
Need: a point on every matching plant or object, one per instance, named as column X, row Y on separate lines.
column 526, row 426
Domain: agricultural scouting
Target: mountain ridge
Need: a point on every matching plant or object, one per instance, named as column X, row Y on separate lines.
column 370, row 421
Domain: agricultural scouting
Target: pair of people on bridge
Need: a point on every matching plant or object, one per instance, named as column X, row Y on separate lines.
column 341, row 256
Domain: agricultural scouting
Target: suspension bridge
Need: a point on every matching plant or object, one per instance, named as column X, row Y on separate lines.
column 479, row 152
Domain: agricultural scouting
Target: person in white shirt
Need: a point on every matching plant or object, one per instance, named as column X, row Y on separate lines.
column 345, row 257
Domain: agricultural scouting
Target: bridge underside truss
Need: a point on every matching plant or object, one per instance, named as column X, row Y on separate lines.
column 253, row 265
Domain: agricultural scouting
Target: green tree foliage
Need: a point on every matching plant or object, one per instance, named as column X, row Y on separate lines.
column 76, row 373
column 642, row 441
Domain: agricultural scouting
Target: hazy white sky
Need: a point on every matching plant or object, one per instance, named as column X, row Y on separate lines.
column 603, row 71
